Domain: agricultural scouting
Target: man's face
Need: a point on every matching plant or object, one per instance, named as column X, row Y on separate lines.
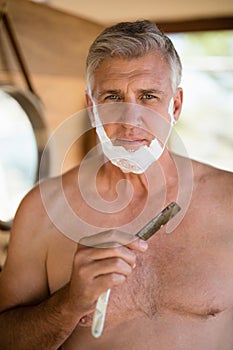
column 143, row 82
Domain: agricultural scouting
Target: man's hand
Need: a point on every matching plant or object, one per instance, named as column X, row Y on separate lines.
column 102, row 261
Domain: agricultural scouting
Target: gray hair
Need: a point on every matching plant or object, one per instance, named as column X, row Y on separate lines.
column 133, row 40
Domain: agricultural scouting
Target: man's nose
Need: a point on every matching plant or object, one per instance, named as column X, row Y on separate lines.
column 131, row 115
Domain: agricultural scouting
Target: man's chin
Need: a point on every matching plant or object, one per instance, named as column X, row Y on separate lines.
column 128, row 167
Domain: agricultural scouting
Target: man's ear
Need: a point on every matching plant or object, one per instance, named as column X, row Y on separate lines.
column 88, row 99
column 89, row 109
column 178, row 101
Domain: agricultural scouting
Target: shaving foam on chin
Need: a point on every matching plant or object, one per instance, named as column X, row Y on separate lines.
column 136, row 161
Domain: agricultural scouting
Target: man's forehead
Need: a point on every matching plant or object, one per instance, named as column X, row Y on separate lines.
column 148, row 72
column 124, row 66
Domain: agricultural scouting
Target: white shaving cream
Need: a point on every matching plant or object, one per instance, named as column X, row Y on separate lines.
column 135, row 161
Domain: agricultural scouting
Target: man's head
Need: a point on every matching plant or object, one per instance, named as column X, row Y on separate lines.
column 130, row 40
column 133, row 73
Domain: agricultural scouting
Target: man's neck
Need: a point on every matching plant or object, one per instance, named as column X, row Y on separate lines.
column 162, row 172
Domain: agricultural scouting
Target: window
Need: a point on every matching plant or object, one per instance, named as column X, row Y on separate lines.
column 206, row 122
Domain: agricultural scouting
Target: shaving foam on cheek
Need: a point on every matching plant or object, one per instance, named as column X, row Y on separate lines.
column 170, row 111
column 131, row 161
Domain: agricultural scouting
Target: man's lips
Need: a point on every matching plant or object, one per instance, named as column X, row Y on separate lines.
column 130, row 143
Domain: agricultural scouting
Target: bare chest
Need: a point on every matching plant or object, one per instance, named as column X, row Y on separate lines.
column 193, row 282
column 179, row 274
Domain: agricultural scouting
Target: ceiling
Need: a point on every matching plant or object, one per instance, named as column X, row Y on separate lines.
column 107, row 12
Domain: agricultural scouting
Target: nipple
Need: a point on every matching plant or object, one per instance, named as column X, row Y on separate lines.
column 83, row 320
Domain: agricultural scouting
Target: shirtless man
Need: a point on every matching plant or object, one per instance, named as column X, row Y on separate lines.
column 174, row 291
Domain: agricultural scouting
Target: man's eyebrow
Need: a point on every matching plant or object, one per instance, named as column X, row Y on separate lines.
column 109, row 91
column 118, row 92
column 151, row 91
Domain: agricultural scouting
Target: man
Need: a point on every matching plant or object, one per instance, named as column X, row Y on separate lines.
column 174, row 291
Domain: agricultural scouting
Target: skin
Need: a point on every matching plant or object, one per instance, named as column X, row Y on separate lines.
column 174, row 291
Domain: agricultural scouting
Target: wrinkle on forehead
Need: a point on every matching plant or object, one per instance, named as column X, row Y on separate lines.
column 134, row 66
column 150, row 72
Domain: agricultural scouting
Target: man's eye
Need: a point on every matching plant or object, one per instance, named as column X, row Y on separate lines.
column 112, row 97
column 148, row 97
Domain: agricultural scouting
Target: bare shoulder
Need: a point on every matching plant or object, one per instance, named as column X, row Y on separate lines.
column 215, row 183
column 32, row 214
column 213, row 199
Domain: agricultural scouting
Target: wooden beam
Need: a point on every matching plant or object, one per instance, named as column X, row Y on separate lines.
column 197, row 25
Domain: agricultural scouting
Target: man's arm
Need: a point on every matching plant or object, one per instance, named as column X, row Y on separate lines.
column 32, row 319
column 45, row 326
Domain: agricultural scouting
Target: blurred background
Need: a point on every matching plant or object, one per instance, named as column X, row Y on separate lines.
column 43, row 47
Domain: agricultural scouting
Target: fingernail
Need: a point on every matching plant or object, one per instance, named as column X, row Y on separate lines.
column 134, row 265
column 143, row 244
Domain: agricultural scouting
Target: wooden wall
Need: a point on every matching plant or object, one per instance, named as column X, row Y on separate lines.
column 54, row 45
